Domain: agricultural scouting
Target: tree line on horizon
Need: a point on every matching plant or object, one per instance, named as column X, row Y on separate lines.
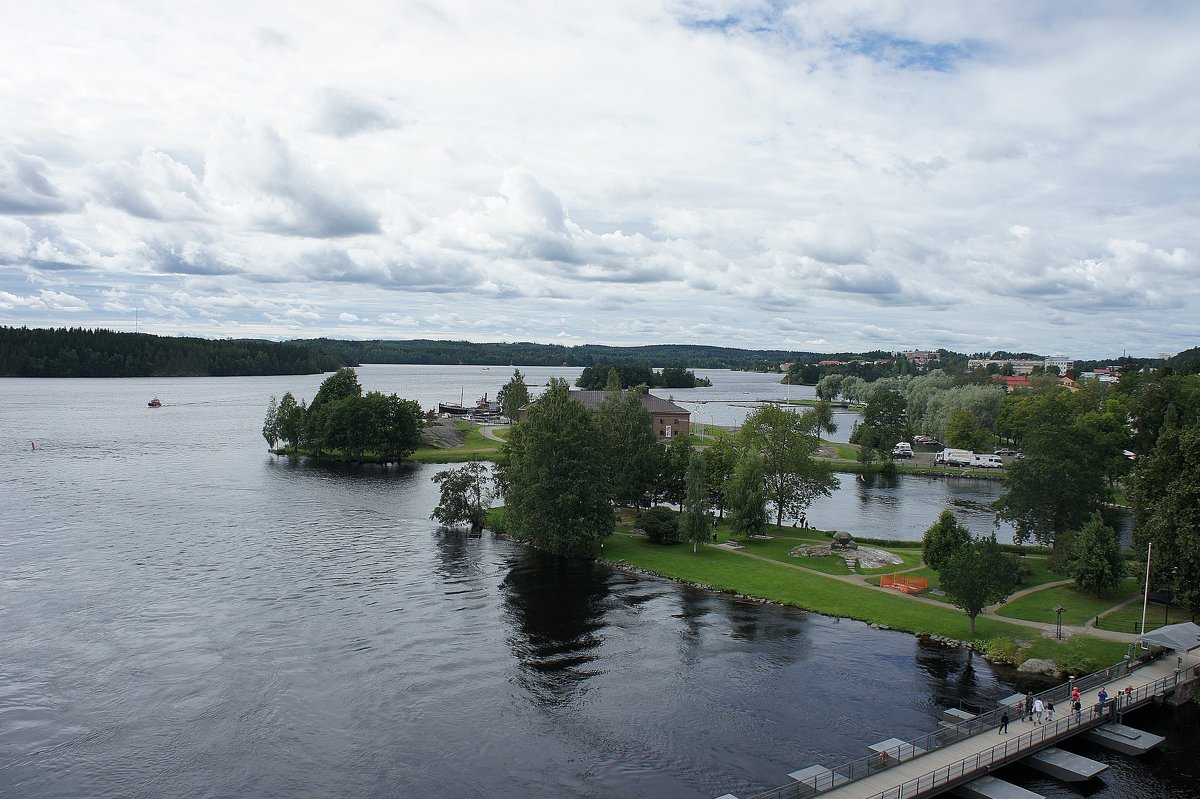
column 80, row 352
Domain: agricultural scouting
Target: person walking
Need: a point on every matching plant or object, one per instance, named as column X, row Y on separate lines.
column 1003, row 724
column 1029, row 705
column 1077, row 706
column 1038, row 709
column 1049, row 710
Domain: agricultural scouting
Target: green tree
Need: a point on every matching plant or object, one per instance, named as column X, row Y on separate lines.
column 396, row 426
column 1166, row 500
column 944, row 537
column 513, row 396
column 694, row 525
column 633, row 455
column 883, row 422
column 745, row 496
column 977, row 575
column 786, row 442
column 289, row 420
column 966, row 431
column 829, row 386
column 270, row 428
column 1059, row 482
column 672, row 477
column 464, row 495
column 1096, row 564
column 720, row 459
column 553, row 476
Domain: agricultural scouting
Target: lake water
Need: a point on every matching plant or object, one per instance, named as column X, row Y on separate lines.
column 186, row 615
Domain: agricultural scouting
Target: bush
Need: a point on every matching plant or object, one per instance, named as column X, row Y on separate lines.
column 1003, row 650
column 1024, row 571
column 661, row 525
column 1078, row 656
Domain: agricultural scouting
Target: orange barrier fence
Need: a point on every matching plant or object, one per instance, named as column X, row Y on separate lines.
column 902, row 582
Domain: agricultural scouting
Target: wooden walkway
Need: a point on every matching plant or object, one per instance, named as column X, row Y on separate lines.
column 910, row 772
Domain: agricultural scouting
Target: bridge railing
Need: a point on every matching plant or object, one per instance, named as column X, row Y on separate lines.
column 944, row 736
column 1014, row 748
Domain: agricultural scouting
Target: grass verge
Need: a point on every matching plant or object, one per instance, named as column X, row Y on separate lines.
column 734, row 573
column 1079, row 606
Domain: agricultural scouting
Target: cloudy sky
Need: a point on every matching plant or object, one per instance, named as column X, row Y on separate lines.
column 850, row 174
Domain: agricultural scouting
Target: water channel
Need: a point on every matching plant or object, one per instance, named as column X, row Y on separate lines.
column 185, row 615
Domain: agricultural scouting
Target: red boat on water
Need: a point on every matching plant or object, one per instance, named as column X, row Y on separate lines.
column 155, row 403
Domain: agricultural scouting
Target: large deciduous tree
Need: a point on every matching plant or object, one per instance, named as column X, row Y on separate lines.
column 883, row 423
column 1166, row 499
column 464, row 495
column 513, row 396
column 634, row 456
column 553, row 471
column 1060, row 481
column 787, row 441
column 747, row 501
column 943, row 538
column 1095, row 562
column 693, row 522
column 978, row 574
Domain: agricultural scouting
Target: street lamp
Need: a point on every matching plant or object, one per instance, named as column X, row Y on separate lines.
column 1170, row 595
column 1058, row 612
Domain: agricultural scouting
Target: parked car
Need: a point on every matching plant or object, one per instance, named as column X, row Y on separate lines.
column 902, row 450
column 1004, row 451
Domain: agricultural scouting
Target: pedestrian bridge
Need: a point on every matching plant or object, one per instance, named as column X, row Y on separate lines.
column 963, row 751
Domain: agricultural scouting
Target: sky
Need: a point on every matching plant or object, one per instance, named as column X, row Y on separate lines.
column 818, row 176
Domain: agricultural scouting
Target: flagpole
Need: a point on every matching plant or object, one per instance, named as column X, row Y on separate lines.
column 1146, row 596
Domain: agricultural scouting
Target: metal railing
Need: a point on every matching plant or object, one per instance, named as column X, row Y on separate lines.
column 952, row 733
column 973, row 766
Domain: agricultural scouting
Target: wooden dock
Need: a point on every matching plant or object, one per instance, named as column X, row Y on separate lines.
column 959, row 753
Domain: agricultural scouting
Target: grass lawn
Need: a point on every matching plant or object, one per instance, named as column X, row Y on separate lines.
column 1129, row 618
column 730, row 572
column 1080, row 607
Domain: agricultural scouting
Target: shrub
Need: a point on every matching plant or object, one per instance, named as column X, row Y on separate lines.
column 661, row 525
column 1079, row 656
column 1004, row 650
column 1024, row 570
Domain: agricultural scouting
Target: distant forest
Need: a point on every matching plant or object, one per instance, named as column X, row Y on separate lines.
column 76, row 352
column 691, row 356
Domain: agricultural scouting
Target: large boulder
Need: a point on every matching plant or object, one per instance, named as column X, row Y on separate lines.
column 843, row 540
column 1039, row 666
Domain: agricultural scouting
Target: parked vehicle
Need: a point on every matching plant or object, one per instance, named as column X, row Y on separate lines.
column 953, row 457
column 1005, row 451
column 902, row 450
column 986, row 461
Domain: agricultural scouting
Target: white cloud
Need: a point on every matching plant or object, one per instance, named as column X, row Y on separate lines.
column 728, row 171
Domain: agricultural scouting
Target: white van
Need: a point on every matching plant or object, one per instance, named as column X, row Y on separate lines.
column 902, row 450
column 954, row 457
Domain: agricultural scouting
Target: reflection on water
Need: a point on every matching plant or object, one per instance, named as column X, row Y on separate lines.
column 556, row 607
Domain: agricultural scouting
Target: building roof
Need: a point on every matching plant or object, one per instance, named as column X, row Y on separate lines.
column 1182, row 637
column 592, row 399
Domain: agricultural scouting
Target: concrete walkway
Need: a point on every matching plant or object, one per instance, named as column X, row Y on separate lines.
column 489, row 431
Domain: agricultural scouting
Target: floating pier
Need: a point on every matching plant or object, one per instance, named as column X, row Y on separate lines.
column 1125, row 740
column 1064, row 765
column 994, row 788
